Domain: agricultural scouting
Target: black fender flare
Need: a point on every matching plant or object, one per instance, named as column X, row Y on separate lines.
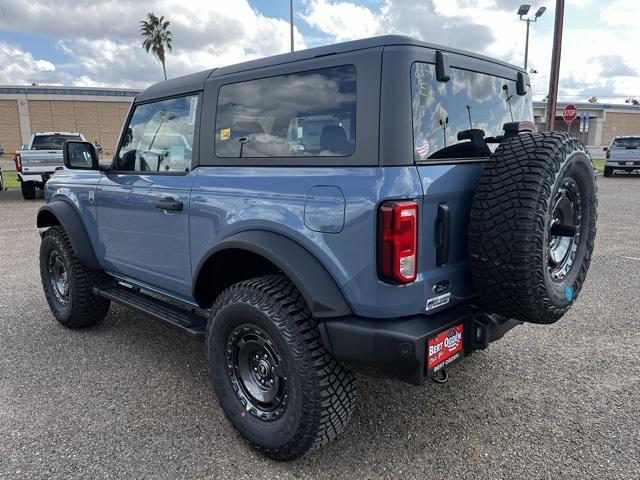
column 317, row 286
column 62, row 213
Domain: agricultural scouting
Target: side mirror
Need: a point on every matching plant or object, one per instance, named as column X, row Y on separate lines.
column 80, row 155
column 605, row 149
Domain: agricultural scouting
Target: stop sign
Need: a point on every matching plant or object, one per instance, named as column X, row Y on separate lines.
column 569, row 113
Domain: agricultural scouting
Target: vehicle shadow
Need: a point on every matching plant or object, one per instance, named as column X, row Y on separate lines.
column 428, row 423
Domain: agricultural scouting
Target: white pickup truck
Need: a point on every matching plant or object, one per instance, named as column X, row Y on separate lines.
column 40, row 158
column 623, row 154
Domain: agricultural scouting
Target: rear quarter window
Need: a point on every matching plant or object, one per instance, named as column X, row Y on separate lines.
column 470, row 104
column 51, row 142
column 630, row 143
column 306, row 114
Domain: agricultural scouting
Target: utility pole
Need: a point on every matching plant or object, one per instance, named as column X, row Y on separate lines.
column 291, row 21
column 556, row 54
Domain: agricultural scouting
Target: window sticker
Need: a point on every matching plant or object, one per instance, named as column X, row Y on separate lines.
column 225, row 134
column 193, row 105
column 422, row 148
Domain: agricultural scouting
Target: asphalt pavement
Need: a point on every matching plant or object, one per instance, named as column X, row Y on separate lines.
column 131, row 399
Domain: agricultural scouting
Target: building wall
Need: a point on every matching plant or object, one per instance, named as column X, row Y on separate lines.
column 97, row 121
column 619, row 123
column 10, row 137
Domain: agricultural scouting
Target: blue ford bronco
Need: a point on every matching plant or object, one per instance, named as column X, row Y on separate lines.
column 383, row 206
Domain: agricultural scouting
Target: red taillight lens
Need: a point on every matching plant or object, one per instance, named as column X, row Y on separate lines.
column 398, row 241
column 18, row 163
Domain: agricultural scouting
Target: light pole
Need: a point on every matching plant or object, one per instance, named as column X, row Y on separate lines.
column 522, row 11
column 291, row 21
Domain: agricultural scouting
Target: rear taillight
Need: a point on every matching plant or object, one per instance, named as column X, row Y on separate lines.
column 18, row 161
column 608, row 155
column 398, row 241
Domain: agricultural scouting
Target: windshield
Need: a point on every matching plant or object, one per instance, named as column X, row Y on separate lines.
column 451, row 119
column 51, row 142
column 631, row 142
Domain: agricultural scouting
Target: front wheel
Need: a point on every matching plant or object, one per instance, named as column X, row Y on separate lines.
column 67, row 284
column 275, row 381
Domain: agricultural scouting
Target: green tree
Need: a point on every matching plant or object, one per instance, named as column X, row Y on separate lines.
column 157, row 38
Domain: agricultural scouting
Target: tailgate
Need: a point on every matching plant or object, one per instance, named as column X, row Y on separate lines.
column 41, row 160
column 446, row 209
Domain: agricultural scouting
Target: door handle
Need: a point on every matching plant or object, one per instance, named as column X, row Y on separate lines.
column 444, row 221
column 170, row 203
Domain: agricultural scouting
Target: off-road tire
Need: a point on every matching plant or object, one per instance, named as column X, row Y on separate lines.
column 28, row 190
column 511, row 217
column 83, row 308
column 608, row 171
column 321, row 392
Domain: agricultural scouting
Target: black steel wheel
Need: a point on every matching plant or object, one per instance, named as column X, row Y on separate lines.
column 564, row 229
column 533, row 226
column 58, row 277
column 274, row 379
column 257, row 372
column 68, row 284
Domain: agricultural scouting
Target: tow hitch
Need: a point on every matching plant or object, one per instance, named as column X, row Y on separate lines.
column 441, row 376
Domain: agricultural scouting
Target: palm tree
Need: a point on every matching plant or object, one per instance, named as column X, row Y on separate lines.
column 157, row 37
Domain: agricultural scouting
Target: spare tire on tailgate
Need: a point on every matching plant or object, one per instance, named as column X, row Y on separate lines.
column 533, row 226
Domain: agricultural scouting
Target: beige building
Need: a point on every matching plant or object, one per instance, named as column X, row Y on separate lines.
column 605, row 121
column 97, row 113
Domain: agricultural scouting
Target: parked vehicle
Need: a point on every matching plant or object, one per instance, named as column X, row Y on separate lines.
column 1, row 180
column 623, row 154
column 382, row 205
column 40, row 158
column 1, row 150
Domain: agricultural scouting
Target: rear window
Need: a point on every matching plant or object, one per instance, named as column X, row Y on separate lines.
column 51, row 142
column 448, row 117
column 631, row 142
column 306, row 114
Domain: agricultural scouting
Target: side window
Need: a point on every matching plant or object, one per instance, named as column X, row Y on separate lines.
column 306, row 114
column 452, row 119
column 159, row 137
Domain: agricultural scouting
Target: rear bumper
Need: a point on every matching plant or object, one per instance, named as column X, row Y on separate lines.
column 622, row 164
column 40, row 177
column 398, row 348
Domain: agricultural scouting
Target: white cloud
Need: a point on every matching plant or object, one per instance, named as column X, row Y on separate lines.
column 596, row 58
column 342, row 20
column 102, row 38
column 19, row 67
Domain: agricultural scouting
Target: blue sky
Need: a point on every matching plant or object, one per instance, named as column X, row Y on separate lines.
column 78, row 42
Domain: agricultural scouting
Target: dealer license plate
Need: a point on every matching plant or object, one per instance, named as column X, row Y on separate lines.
column 445, row 348
column 631, row 163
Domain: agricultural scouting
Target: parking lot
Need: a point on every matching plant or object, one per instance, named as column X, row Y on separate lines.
column 131, row 398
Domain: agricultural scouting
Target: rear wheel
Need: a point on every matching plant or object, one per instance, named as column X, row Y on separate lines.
column 68, row 285
column 533, row 226
column 28, row 190
column 275, row 381
column 608, row 171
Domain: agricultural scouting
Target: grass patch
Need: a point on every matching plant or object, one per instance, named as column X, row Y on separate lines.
column 599, row 164
column 10, row 179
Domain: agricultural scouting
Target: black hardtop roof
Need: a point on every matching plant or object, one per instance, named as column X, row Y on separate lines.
column 195, row 81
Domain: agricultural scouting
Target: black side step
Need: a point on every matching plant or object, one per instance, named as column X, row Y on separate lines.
column 187, row 320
